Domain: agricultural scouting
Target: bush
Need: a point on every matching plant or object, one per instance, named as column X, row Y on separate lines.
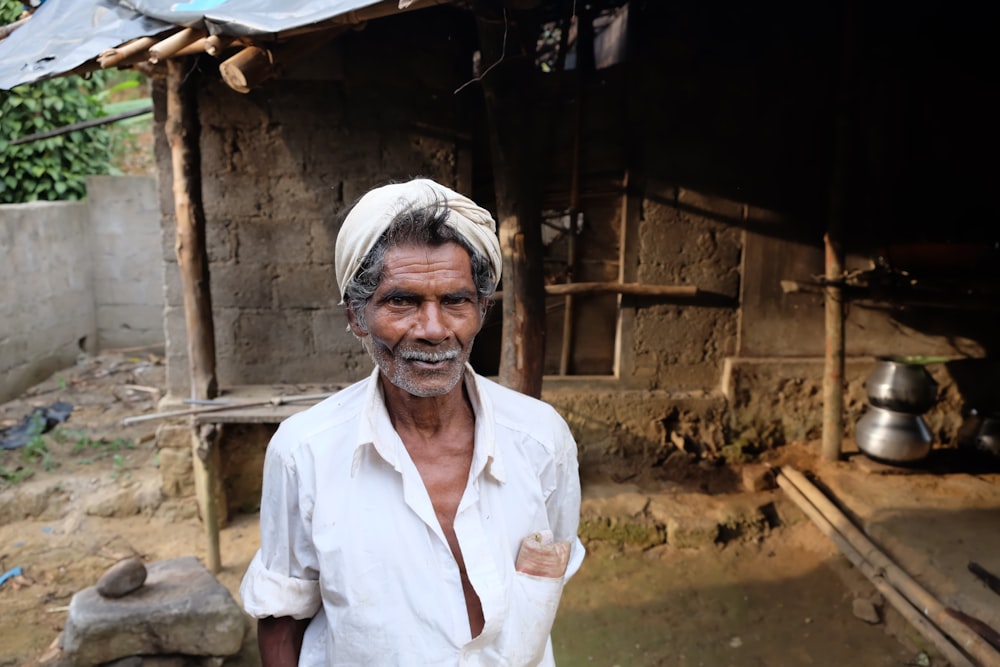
column 54, row 168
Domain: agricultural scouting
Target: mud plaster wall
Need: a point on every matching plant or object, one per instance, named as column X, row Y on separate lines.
column 724, row 129
column 685, row 240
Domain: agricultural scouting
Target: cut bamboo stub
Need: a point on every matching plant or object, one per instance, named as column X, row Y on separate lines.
column 247, row 69
column 119, row 54
column 170, row 46
column 918, row 596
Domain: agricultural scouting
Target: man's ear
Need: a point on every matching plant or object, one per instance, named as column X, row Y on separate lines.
column 353, row 325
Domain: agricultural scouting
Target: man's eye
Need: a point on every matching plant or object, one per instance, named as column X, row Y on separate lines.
column 398, row 300
column 454, row 300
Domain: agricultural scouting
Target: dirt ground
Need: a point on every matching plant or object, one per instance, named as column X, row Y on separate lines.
column 86, row 494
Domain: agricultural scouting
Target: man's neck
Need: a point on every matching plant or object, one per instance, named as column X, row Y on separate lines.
column 427, row 416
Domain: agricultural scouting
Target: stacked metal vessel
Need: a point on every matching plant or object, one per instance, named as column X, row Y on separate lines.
column 893, row 430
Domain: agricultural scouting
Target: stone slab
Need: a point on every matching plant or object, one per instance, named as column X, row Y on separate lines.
column 181, row 609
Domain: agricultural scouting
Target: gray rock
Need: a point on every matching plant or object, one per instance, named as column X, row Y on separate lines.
column 865, row 610
column 181, row 609
column 122, row 578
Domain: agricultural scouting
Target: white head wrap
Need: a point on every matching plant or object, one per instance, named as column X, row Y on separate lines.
column 376, row 210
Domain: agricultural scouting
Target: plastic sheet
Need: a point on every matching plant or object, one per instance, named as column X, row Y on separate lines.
column 64, row 34
column 39, row 421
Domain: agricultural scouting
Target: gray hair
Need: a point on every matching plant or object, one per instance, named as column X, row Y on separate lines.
column 419, row 226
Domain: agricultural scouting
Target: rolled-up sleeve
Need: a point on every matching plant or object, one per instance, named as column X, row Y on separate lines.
column 283, row 577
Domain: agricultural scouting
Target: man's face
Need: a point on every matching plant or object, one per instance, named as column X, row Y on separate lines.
column 423, row 318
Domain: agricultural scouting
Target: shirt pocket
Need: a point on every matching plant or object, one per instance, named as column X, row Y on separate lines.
column 533, row 604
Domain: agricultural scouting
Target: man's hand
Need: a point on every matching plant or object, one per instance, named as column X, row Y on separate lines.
column 280, row 640
column 540, row 556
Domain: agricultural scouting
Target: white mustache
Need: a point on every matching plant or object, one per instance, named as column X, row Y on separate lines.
column 431, row 357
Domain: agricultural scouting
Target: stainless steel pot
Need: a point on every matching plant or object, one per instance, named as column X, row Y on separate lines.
column 901, row 387
column 891, row 436
column 988, row 436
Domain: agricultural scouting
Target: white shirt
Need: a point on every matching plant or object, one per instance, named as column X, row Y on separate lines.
column 349, row 536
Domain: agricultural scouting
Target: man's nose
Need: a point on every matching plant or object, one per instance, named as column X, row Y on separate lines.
column 431, row 325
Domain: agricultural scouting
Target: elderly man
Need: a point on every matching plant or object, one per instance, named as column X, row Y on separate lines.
column 425, row 515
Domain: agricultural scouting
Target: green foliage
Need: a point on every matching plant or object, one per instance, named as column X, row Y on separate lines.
column 84, row 443
column 53, row 168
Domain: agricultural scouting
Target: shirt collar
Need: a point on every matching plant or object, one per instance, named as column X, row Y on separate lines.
column 377, row 432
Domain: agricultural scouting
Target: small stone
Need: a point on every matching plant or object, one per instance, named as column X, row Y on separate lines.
column 735, row 642
column 865, row 610
column 122, row 578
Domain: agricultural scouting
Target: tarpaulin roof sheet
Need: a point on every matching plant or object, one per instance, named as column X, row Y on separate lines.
column 64, row 34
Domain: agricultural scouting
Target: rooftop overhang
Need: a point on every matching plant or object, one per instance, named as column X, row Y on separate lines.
column 78, row 36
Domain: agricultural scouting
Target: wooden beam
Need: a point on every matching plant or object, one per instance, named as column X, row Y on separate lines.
column 631, row 289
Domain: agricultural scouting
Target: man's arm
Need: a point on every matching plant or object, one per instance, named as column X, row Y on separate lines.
column 280, row 640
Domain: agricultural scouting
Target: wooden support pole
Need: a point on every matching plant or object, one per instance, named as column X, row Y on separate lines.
column 182, row 130
column 833, row 360
column 513, row 96
column 566, row 350
column 918, row 596
column 833, row 366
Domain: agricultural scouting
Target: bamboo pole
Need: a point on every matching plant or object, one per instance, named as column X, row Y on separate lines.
column 119, row 54
column 632, row 289
column 966, row 639
column 6, row 30
column 169, row 47
column 182, row 130
column 900, row 603
column 275, row 401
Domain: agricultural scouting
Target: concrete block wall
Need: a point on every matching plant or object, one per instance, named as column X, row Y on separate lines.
column 280, row 166
column 78, row 277
column 47, row 312
column 127, row 272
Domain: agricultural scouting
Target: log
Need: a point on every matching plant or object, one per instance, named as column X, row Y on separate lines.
column 253, row 65
column 247, row 69
column 892, row 596
column 966, row 639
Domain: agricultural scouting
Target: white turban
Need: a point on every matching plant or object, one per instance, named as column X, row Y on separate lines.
column 376, row 210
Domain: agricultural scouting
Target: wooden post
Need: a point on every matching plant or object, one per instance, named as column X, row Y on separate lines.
column 512, row 96
column 182, row 130
column 833, row 366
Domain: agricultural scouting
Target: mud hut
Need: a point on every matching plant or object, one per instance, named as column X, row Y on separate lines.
column 715, row 218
